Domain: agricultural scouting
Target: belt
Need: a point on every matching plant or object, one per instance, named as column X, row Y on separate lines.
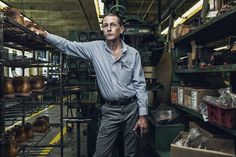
column 122, row 102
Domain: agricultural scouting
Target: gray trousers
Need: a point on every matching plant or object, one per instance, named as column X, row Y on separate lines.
column 116, row 119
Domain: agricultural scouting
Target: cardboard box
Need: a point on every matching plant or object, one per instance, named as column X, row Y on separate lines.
column 173, row 94
column 190, row 61
column 197, row 94
column 187, row 96
column 180, row 30
column 173, row 33
column 216, row 147
column 185, row 30
column 199, row 126
column 180, row 95
column 207, row 130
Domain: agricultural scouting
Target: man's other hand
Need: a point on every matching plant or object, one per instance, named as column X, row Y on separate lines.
column 141, row 127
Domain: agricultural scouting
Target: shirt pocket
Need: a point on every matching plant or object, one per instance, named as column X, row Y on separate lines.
column 124, row 76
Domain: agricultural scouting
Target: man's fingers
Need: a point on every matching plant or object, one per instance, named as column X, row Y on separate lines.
column 145, row 130
column 135, row 127
column 142, row 132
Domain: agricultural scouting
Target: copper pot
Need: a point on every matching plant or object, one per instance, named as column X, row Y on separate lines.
column 8, row 88
column 20, row 134
column 41, row 124
column 46, row 118
column 10, row 149
column 10, row 133
column 14, row 14
column 36, row 82
column 29, row 131
column 22, row 86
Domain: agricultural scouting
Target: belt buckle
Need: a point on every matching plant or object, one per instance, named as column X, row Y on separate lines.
column 124, row 102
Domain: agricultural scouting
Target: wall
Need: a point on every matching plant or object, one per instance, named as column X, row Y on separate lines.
column 164, row 75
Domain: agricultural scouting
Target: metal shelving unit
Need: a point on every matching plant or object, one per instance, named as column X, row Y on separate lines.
column 14, row 35
column 212, row 69
column 224, row 24
column 28, row 147
column 216, row 29
column 199, row 116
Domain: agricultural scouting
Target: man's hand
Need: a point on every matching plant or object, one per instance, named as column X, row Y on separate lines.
column 142, row 125
column 39, row 32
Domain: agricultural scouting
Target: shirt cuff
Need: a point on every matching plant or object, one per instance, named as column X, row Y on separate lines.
column 48, row 36
column 143, row 111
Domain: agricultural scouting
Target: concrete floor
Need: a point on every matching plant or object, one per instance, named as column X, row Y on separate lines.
column 70, row 139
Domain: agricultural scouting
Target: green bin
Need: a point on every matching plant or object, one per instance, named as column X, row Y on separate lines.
column 164, row 136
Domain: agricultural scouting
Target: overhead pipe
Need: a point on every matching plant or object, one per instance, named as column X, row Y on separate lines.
column 140, row 8
column 85, row 14
column 145, row 15
column 172, row 6
column 157, row 19
column 159, row 15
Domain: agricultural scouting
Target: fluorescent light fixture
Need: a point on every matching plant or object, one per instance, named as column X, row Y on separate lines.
column 189, row 13
column 221, row 48
column 3, row 5
column 99, row 5
column 183, row 57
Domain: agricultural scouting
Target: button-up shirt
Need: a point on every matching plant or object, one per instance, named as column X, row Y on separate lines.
column 117, row 79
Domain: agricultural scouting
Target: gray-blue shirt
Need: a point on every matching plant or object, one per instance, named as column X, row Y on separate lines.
column 117, row 79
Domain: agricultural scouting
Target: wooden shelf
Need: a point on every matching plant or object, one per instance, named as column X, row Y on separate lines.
column 212, row 69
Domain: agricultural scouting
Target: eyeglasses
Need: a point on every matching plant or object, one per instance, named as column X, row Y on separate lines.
column 112, row 25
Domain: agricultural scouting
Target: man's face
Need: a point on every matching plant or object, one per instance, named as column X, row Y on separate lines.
column 111, row 28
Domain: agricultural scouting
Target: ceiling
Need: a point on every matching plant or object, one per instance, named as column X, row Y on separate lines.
column 61, row 16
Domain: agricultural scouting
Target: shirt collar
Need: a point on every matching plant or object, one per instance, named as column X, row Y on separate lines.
column 124, row 46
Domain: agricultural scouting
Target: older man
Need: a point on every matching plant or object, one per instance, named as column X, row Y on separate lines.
column 121, row 82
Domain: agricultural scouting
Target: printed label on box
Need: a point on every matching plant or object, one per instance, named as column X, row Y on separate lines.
column 205, row 118
column 194, row 100
column 180, row 96
column 187, row 100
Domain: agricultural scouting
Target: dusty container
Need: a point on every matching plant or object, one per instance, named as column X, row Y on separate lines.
column 8, row 88
column 22, row 86
column 10, row 148
column 28, row 128
column 20, row 134
column 41, row 124
column 37, row 83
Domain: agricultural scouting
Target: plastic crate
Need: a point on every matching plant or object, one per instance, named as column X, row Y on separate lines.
column 222, row 116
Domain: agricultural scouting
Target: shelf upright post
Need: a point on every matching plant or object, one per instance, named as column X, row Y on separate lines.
column 159, row 15
column 23, row 68
column 23, row 102
column 37, row 59
column 2, row 101
column 171, row 25
column 61, row 104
